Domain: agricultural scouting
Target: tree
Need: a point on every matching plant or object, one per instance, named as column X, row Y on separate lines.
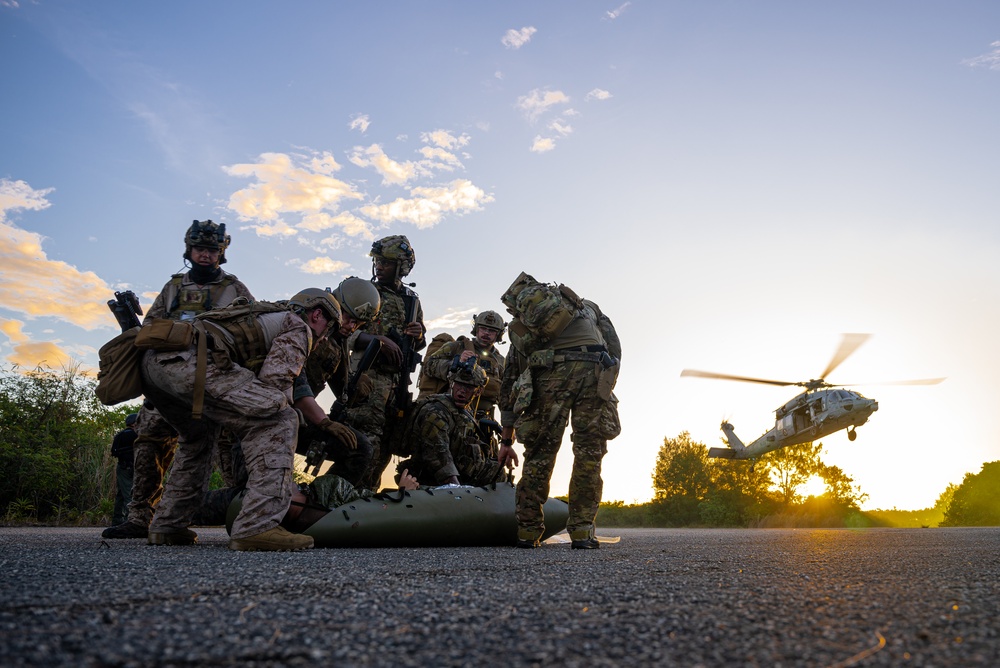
column 976, row 502
column 54, row 443
column 681, row 479
column 790, row 467
column 840, row 488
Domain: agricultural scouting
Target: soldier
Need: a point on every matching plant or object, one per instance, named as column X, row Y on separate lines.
column 185, row 295
column 487, row 329
column 122, row 449
column 443, row 436
column 563, row 362
column 328, row 364
column 382, row 411
column 242, row 384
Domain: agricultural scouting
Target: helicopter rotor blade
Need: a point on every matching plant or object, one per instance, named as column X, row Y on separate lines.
column 919, row 381
column 724, row 376
column 848, row 345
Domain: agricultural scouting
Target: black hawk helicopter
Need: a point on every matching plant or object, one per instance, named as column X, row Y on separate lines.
column 821, row 410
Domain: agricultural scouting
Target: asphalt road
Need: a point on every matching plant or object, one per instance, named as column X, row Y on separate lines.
column 874, row 597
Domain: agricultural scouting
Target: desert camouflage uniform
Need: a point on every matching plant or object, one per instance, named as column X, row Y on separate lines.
column 489, row 359
column 179, row 299
column 327, row 364
column 254, row 407
column 444, row 443
column 377, row 415
column 562, row 390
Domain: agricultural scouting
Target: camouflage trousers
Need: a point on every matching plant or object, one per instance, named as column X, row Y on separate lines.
column 567, row 391
column 235, row 399
column 371, row 417
column 154, row 451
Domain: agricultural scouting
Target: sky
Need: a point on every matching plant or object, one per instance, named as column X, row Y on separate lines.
column 736, row 184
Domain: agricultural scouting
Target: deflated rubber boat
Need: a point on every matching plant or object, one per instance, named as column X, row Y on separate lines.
column 451, row 516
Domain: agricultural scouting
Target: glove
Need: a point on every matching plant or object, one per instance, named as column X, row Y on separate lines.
column 362, row 389
column 339, row 431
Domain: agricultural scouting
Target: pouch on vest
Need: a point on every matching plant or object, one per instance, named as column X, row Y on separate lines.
column 426, row 383
column 119, row 378
column 165, row 335
column 542, row 359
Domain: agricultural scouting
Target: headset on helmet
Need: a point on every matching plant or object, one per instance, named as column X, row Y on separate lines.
column 490, row 319
column 207, row 234
column 310, row 298
column 360, row 298
column 397, row 248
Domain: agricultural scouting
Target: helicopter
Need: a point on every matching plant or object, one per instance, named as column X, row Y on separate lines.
column 819, row 411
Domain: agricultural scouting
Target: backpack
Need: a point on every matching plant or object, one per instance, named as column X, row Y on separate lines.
column 545, row 309
column 426, row 383
column 119, row 378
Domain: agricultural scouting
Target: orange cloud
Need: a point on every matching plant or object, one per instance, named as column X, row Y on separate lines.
column 42, row 353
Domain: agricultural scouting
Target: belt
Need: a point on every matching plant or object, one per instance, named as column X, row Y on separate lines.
column 575, row 356
column 582, row 349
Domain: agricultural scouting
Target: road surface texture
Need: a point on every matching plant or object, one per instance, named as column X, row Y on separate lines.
column 875, row 597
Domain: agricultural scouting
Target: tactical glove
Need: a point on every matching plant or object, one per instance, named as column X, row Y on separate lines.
column 341, row 432
column 363, row 388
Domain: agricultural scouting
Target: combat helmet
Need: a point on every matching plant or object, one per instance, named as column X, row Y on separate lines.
column 310, row 298
column 396, row 247
column 209, row 235
column 130, row 419
column 468, row 374
column 360, row 298
column 490, row 319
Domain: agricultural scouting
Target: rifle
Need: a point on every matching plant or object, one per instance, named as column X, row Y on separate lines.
column 126, row 309
column 316, row 454
column 411, row 358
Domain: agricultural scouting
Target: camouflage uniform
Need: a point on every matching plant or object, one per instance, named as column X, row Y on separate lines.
column 255, row 407
column 327, row 364
column 489, row 359
column 563, row 386
column 181, row 298
column 377, row 415
column 445, row 443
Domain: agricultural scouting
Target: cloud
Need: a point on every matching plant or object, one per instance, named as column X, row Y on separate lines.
column 359, row 122
column 427, row 205
column 444, row 139
column 12, row 329
column 989, row 60
column 323, row 265
column 615, row 13
column 36, row 286
column 515, row 39
column 543, row 144
column 563, row 129
column 393, row 172
column 538, row 101
column 452, row 320
column 346, row 221
column 297, row 185
column 40, row 354
column 598, row 94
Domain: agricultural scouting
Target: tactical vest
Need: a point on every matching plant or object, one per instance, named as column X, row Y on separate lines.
column 191, row 300
column 236, row 330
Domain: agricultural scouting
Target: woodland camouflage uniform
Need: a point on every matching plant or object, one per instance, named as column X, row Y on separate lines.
column 489, row 359
column 562, row 386
column 377, row 415
column 445, row 443
column 180, row 298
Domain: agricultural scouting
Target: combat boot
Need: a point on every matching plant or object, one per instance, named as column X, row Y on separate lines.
column 584, row 540
column 170, row 536
column 277, row 539
column 126, row 530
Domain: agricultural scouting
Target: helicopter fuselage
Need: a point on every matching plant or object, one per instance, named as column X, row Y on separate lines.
column 810, row 415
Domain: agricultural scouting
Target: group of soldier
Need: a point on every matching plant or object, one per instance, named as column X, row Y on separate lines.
column 228, row 375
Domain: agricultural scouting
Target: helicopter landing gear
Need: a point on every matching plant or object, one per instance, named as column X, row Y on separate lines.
column 851, row 434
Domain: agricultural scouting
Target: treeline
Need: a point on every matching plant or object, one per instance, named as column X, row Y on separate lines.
column 56, row 467
column 55, row 455
column 692, row 490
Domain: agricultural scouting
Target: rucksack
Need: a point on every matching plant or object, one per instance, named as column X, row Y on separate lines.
column 119, row 378
column 426, row 383
column 239, row 319
column 545, row 309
